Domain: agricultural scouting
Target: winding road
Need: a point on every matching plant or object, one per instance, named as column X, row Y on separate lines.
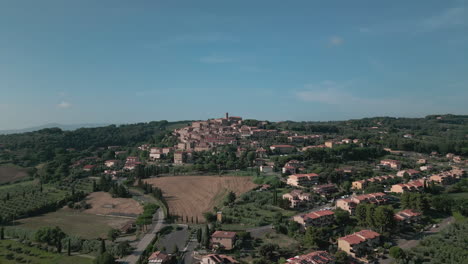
column 158, row 223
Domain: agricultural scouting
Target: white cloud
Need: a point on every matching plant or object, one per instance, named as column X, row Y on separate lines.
column 64, row 105
column 336, row 41
column 215, row 59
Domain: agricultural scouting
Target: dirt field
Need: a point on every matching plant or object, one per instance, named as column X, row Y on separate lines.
column 194, row 195
column 103, row 204
column 11, row 173
column 75, row 223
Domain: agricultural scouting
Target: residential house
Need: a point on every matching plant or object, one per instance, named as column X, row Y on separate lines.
column 350, row 204
column 261, row 153
column 357, row 244
column 292, row 167
column 315, row 257
column 317, row 218
column 89, row 167
column 325, row 189
column 159, row 257
column 218, row 259
column 421, row 161
column 394, row 164
column 282, row 149
column 408, row 216
column 359, row 185
column 297, row 198
column 223, row 239
column 412, row 173
column 266, row 169
column 303, row 180
column 411, row 186
column 111, row 163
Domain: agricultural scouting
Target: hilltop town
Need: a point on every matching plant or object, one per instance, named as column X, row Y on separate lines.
column 229, row 190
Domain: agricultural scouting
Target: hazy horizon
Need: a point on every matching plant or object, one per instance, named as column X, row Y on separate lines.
column 125, row 62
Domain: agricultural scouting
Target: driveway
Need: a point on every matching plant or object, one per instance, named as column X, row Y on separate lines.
column 158, row 223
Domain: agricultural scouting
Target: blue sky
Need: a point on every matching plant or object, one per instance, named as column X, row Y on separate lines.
column 128, row 61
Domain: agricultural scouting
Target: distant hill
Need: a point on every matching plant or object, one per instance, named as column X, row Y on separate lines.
column 51, row 125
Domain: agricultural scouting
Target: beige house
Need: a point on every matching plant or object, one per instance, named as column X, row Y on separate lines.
column 408, row 216
column 111, row 163
column 350, row 204
column 297, row 198
column 394, row 164
column 223, row 239
column 412, row 186
column 303, row 180
column 357, row 244
column 317, row 218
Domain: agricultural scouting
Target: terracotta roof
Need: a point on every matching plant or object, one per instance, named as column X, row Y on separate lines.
column 224, row 234
column 158, row 255
column 360, row 237
column 316, row 257
column 318, row 214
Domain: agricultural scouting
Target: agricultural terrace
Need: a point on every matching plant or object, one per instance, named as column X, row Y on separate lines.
column 30, row 198
column 11, row 173
column 192, row 196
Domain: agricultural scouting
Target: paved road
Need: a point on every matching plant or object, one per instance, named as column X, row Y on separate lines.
column 188, row 255
column 146, row 240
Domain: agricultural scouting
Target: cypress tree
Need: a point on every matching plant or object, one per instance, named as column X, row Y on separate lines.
column 69, row 248
column 2, row 233
column 103, row 246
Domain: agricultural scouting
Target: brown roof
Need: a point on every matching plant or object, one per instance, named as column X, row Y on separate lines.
column 360, row 237
column 158, row 255
column 224, row 234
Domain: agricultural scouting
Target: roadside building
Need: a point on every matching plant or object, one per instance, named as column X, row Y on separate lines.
column 412, row 186
column 393, row 164
column 317, row 218
column 350, row 204
column 325, row 189
column 223, row 239
column 297, row 198
column 358, row 244
column 303, row 180
column 408, row 216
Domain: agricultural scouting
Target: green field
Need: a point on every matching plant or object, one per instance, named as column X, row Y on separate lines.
column 463, row 195
column 12, row 252
column 73, row 222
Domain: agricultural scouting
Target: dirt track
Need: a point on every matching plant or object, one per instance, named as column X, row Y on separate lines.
column 194, row 195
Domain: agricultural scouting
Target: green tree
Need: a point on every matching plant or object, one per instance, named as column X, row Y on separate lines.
column 2, row 233
column 341, row 257
column 113, row 234
column 105, row 258
column 397, row 253
column 268, row 250
column 341, row 217
column 51, row 235
column 384, row 218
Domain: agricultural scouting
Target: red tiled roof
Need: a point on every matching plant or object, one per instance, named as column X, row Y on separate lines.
column 158, row 255
column 318, row 214
column 360, row 237
column 224, row 234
